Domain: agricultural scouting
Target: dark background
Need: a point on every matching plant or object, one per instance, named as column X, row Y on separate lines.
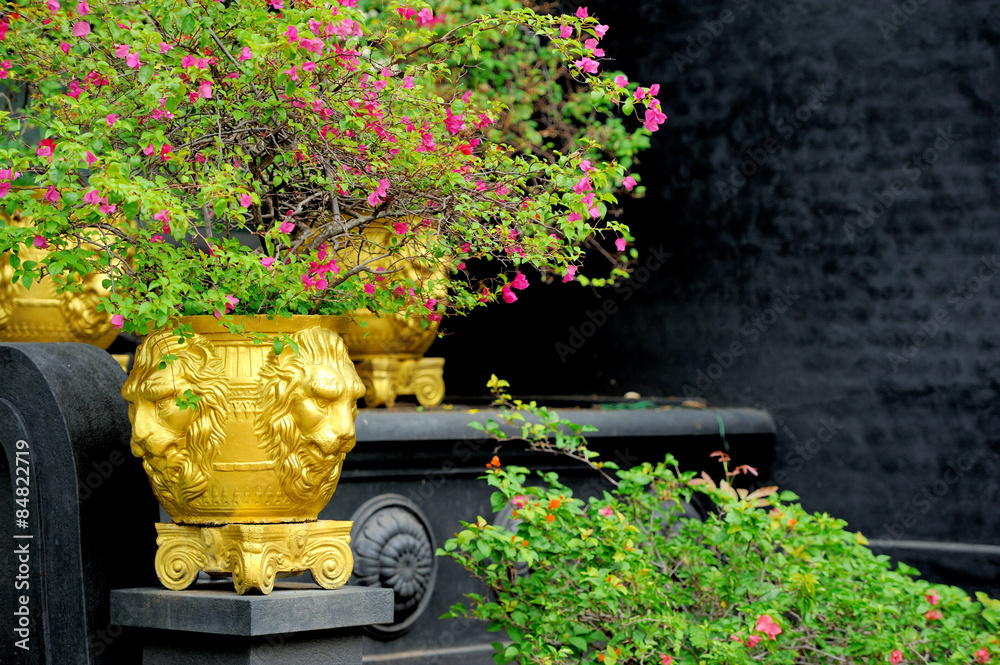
column 882, row 371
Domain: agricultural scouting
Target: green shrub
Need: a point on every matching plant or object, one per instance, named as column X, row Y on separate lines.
column 627, row 578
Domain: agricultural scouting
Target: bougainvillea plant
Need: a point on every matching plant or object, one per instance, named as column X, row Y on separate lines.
column 229, row 157
column 629, row 577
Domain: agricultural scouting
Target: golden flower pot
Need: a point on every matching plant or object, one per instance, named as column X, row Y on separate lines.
column 245, row 474
column 39, row 314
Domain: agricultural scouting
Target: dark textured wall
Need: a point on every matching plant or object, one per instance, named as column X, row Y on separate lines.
column 827, row 188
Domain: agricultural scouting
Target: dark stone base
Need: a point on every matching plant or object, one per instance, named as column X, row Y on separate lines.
column 209, row 624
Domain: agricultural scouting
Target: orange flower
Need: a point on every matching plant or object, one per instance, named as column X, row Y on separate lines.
column 494, row 463
column 600, row 657
column 792, row 522
column 550, row 518
column 934, row 615
column 554, row 503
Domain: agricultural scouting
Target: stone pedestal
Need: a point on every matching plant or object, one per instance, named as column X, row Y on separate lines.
column 209, row 624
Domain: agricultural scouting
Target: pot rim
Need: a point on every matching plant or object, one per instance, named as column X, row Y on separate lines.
column 208, row 324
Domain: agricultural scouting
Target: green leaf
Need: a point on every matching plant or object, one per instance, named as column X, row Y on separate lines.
column 145, row 73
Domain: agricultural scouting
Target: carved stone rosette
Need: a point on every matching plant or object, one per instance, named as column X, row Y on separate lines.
column 39, row 314
column 254, row 554
column 258, row 458
column 394, row 549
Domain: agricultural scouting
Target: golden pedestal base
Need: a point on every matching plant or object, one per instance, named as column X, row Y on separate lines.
column 388, row 376
column 254, row 554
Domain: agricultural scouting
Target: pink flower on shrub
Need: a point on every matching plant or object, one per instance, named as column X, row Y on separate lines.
column 766, row 625
column 267, row 261
column 111, row 119
column 246, row 200
column 581, row 12
column 53, row 5
column 629, row 183
column 406, row 12
column 46, row 148
column 654, row 118
column 400, row 228
column 425, row 17
column 165, row 48
column 565, row 31
column 81, row 29
column 93, row 197
column 519, row 501
column 453, row 123
column 620, row 246
column 41, row 242
column 932, row 597
column 52, row 195
column 370, row 289
column 983, row 656
column 231, row 303
column 121, row 50
column 606, row 511
column 934, row 615
column 896, row 657
column 90, row 158
column 752, row 641
column 118, row 321
column 520, row 282
column 106, row 208
column 64, row 47
column 600, row 31
column 378, row 196
column 287, row 227
column 665, row 659
column 245, row 54
column 570, row 274
column 508, row 295
column 82, row 8
column 587, row 65
column 205, row 89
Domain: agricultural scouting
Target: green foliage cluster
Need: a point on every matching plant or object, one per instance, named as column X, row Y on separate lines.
column 292, row 157
column 627, row 577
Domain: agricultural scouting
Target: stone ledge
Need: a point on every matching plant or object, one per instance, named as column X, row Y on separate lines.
column 215, row 608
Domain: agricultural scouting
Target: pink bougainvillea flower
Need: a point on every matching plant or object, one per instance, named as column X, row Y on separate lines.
column 519, row 282
column 121, row 50
column 205, row 89
column 654, row 118
column 118, row 321
column 292, row 33
column 587, row 65
column 406, row 12
column 934, row 615
column 519, row 501
column 165, row 47
column 600, row 31
column 425, row 17
column 430, row 303
column 982, row 656
column 293, row 72
column 46, row 148
column 565, row 31
column 574, row 217
column 408, row 82
column 586, row 166
column 453, row 123
column 287, row 227
column 932, row 597
column 156, row 237
column 665, row 659
column 90, row 158
column 82, row 8
column 41, row 242
column 378, row 196
column 148, row 150
column 591, row 46
column 766, row 624
column 629, row 183
column 606, row 511
column 277, row 4
column 106, row 208
column 752, row 641
column 245, row 54
column 508, row 295
column 231, row 303
column 53, row 5
column 81, row 29
column 132, row 60
column 896, row 657
column 111, row 119
column 165, row 151
column 570, row 274
column 52, row 195
column 246, row 200
column 64, row 47
column 581, row 12
column 369, row 289
column 621, row 81
column 400, row 228
column 93, row 197
column 217, row 314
